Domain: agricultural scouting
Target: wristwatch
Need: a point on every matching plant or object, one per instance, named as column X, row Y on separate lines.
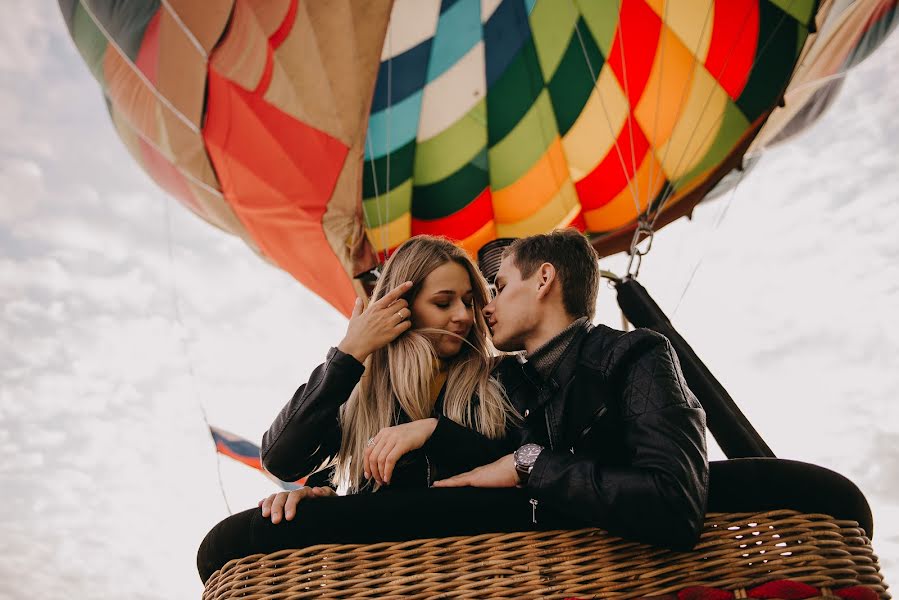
column 525, row 457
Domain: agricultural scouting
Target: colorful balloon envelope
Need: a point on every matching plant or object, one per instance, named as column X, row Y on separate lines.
column 325, row 133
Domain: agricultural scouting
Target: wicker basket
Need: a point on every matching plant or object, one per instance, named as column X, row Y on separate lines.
column 737, row 551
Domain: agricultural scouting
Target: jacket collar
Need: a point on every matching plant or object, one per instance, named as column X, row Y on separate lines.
column 545, row 358
column 565, row 366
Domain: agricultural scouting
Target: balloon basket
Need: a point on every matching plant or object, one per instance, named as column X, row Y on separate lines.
column 773, row 554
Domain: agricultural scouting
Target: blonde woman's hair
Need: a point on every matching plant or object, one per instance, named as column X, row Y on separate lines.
column 398, row 377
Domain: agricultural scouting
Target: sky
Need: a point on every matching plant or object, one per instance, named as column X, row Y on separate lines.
column 129, row 324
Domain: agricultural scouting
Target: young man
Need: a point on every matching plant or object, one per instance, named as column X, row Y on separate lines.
column 611, row 434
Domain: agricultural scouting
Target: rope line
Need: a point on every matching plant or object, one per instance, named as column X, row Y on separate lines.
column 162, row 99
column 683, row 97
column 630, row 111
column 604, row 108
column 187, row 32
column 176, row 305
column 726, row 203
column 655, row 120
column 670, row 191
column 385, row 236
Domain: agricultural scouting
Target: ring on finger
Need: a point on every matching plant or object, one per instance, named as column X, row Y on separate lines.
column 371, row 441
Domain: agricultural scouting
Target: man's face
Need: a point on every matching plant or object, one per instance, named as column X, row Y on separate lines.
column 512, row 314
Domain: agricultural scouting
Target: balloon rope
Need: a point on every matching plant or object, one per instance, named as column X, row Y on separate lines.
column 124, row 118
column 176, row 305
column 548, row 126
column 602, row 103
column 162, row 99
column 385, row 235
column 629, row 121
column 374, row 176
column 655, row 119
column 683, row 97
column 187, row 32
column 673, row 185
column 721, row 215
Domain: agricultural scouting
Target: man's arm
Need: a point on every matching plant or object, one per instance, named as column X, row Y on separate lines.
column 455, row 448
column 661, row 496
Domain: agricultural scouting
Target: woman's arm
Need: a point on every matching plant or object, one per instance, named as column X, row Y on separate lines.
column 307, row 430
column 448, row 447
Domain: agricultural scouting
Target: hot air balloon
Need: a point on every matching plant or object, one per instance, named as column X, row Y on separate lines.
column 325, row 133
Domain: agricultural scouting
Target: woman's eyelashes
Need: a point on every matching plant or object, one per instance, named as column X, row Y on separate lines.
column 445, row 305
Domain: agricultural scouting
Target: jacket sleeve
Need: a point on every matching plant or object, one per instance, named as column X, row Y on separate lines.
column 455, row 449
column 307, row 430
column 660, row 497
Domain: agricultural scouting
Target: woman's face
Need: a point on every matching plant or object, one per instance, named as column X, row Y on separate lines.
column 445, row 302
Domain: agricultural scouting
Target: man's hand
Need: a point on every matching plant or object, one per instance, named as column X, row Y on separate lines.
column 285, row 503
column 391, row 443
column 498, row 474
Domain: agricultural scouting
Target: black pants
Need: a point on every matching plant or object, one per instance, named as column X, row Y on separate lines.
column 383, row 516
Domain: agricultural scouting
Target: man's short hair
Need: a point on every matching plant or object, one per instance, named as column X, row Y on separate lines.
column 575, row 261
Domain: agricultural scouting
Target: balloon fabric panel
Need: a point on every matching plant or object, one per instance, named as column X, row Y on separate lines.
column 564, row 113
column 880, row 23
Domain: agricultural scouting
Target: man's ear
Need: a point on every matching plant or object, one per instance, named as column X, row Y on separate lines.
column 546, row 277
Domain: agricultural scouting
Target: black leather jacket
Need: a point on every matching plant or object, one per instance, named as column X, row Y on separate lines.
column 624, row 437
column 306, row 433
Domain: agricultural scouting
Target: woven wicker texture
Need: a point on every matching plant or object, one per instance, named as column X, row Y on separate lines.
column 736, row 551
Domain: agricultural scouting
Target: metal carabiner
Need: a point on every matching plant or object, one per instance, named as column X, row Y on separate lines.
column 644, row 233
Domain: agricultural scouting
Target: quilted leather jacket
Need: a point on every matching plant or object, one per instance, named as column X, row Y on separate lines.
column 624, row 437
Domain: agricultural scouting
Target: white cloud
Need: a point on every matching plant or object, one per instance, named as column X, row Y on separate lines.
column 26, row 35
column 42, row 275
column 21, row 186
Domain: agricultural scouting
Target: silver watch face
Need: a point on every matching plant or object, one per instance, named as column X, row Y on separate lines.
column 527, row 455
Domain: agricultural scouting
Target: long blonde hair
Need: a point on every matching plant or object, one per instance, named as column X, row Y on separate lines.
column 398, row 377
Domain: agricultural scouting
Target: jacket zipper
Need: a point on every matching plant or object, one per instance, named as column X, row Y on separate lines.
column 534, row 511
column 549, row 431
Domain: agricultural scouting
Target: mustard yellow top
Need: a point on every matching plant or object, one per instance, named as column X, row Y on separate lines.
column 439, row 380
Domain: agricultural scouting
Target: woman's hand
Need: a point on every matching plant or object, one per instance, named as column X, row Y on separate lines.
column 391, row 444
column 381, row 323
column 285, row 503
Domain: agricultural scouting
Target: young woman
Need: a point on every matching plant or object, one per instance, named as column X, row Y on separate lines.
column 406, row 397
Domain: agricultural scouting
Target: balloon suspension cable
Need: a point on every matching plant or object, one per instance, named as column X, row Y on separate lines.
column 675, row 183
column 659, row 176
column 179, row 320
column 646, row 222
column 725, row 208
column 631, row 182
column 385, row 234
column 641, row 244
